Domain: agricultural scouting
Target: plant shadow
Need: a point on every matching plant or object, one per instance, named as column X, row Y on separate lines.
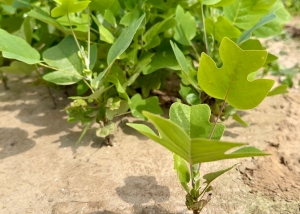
column 139, row 190
column 14, row 141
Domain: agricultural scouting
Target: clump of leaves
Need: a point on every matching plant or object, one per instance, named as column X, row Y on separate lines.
column 190, row 136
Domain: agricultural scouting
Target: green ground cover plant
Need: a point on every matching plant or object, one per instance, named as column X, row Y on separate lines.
column 116, row 52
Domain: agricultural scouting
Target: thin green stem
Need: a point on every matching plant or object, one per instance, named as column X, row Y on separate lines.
column 204, row 29
column 219, row 115
column 77, row 43
column 89, row 38
column 86, row 82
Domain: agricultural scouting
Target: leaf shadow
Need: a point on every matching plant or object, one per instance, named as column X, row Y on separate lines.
column 14, row 141
column 139, row 190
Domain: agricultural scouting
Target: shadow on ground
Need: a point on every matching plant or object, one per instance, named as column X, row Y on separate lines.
column 14, row 141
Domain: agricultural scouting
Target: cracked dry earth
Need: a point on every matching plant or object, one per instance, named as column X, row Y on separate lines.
column 42, row 170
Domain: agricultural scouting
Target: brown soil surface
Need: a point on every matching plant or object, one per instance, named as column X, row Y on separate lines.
column 43, row 171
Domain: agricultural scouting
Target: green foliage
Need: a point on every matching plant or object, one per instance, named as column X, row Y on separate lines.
column 117, row 52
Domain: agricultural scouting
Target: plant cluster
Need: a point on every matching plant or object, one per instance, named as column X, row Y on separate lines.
column 116, row 52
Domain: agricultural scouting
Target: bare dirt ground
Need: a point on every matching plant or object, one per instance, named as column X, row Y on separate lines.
column 42, row 170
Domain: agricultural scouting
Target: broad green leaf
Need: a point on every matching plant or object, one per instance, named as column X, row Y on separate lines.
column 63, row 77
column 230, row 81
column 183, row 171
column 263, row 4
column 184, row 66
column 185, row 31
column 68, row 6
column 138, row 104
column 248, row 33
column 210, row 177
column 17, row 67
column 275, row 26
column 123, row 41
column 222, row 28
column 13, row 47
column 194, row 120
column 242, row 14
column 195, row 150
column 254, row 44
column 281, row 89
column 64, row 56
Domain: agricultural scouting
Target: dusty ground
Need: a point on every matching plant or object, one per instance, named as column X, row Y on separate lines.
column 42, row 171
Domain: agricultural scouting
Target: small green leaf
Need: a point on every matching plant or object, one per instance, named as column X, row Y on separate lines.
column 17, row 67
column 185, row 31
column 184, row 66
column 106, row 130
column 222, row 28
column 62, row 77
column 189, row 94
column 137, row 105
column 248, row 33
column 230, row 82
column 183, row 171
column 194, row 120
column 210, row 177
column 68, row 6
column 281, row 89
column 210, row 2
column 242, row 14
column 13, row 47
column 123, row 41
column 238, row 119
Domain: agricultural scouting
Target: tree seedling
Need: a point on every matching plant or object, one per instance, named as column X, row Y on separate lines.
column 190, row 136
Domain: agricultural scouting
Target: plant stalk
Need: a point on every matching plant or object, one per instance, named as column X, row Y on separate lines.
column 77, row 43
column 219, row 115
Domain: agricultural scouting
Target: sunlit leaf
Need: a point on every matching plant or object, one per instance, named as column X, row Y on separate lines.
column 230, row 81
column 68, row 6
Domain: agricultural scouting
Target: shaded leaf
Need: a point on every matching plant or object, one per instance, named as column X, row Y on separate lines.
column 13, row 47
column 138, row 104
column 183, row 171
column 210, row 177
column 17, row 67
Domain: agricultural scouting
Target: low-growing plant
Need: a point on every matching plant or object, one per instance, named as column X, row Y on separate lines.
column 117, row 52
column 190, row 136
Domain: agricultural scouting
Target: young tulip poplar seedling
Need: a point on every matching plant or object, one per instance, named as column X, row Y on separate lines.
column 190, row 136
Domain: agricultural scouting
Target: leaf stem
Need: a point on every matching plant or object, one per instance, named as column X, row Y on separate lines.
column 86, row 82
column 219, row 115
column 204, row 29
